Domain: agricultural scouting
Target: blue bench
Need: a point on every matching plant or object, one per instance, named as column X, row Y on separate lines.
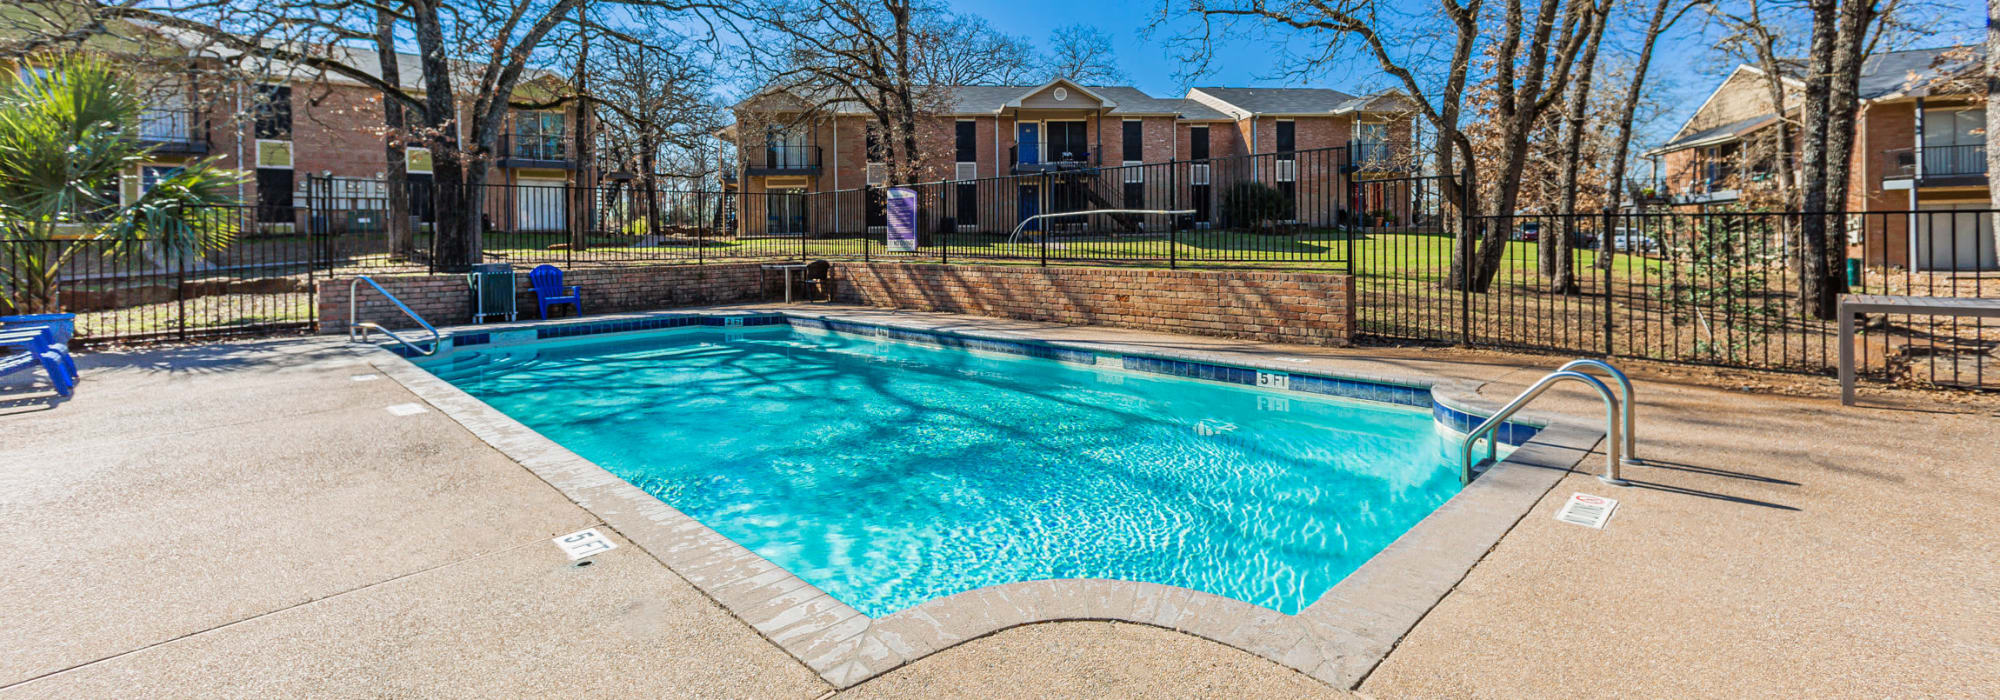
column 25, row 348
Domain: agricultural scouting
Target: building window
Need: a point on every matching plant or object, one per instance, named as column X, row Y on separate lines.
column 1198, row 143
column 274, row 112
column 538, row 136
column 1287, row 136
column 1134, row 142
column 1067, row 141
column 968, row 142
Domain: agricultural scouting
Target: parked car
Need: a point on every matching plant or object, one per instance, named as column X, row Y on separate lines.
column 1628, row 240
column 1528, row 231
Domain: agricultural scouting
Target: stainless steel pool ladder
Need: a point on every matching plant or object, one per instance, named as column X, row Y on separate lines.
column 363, row 327
column 1619, row 446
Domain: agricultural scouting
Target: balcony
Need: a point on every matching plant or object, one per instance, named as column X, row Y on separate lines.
column 173, row 131
column 787, row 160
column 1963, row 164
column 1058, row 161
column 519, row 150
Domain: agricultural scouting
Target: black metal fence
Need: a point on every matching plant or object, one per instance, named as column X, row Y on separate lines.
column 134, row 292
column 1709, row 288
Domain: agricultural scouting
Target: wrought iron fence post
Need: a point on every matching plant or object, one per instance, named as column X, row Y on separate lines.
column 1466, row 238
column 1173, row 220
column 180, row 296
column 1611, row 262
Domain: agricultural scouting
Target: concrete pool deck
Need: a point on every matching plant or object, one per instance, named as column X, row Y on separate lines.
column 247, row 519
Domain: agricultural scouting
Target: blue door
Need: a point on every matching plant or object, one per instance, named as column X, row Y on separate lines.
column 1031, row 204
column 1030, row 142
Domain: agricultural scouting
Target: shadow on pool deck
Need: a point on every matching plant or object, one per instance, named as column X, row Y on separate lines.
column 247, row 519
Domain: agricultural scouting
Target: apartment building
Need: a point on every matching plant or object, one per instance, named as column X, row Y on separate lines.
column 1919, row 146
column 1065, row 134
column 303, row 136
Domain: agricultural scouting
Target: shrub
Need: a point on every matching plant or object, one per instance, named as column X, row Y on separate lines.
column 1254, row 204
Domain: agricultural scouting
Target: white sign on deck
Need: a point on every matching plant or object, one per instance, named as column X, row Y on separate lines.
column 582, row 544
column 1587, row 510
column 364, row 377
column 405, row 409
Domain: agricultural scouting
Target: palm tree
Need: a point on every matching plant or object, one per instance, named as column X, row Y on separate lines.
column 66, row 136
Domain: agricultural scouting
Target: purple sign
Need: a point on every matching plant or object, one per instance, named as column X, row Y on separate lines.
column 902, row 211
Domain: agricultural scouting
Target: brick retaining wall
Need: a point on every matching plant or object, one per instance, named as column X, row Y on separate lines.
column 1280, row 307
column 445, row 299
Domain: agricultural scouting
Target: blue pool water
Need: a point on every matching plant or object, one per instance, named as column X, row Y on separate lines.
column 888, row 474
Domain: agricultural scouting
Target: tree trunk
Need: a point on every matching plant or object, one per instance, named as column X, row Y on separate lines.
column 1992, row 107
column 402, row 240
column 1559, row 263
column 1856, row 17
column 652, row 184
column 1814, row 292
column 455, row 203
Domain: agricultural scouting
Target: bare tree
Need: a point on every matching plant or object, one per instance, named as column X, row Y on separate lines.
column 661, row 133
column 1557, row 262
column 816, row 57
column 1759, row 37
column 1440, row 97
column 964, row 50
column 1991, row 92
column 396, row 176
column 1656, row 24
column 1082, row 53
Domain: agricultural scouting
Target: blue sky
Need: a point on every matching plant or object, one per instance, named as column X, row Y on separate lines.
column 1685, row 67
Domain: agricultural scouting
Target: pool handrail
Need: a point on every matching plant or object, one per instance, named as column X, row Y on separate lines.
column 353, row 289
column 1491, row 426
column 1016, row 235
column 1626, row 402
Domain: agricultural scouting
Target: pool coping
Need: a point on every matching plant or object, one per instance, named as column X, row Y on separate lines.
column 1338, row 639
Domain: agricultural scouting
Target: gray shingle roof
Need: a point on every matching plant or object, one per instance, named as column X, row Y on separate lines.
column 986, row 99
column 1281, row 100
column 1914, row 72
column 1735, row 128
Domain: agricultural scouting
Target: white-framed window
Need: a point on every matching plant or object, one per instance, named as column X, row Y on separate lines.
column 1288, row 170
column 417, row 159
column 1134, row 173
column 1198, row 174
column 273, row 154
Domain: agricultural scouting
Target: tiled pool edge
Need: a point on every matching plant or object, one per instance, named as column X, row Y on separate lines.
column 1337, row 640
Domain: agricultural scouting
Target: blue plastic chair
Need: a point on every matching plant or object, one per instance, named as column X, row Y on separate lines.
column 549, row 290
column 35, row 346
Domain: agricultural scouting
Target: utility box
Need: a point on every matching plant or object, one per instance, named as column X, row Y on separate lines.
column 492, row 291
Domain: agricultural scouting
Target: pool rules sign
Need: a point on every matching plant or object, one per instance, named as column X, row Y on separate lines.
column 902, row 213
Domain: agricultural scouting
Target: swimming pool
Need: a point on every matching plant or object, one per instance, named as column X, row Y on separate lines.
column 888, row 472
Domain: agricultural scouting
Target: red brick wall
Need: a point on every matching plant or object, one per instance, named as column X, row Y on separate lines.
column 1266, row 306
column 445, row 299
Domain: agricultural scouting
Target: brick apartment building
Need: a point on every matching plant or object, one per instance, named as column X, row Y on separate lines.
column 1919, row 146
column 301, row 135
column 1070, row 138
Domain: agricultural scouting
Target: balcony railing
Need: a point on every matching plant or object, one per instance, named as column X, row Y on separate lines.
column 173, row 130
column 1965, row 160
column 787, row 159
column 532, row 150
column 1056, row 160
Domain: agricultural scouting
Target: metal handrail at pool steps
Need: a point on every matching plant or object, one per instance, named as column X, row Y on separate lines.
column 1618, row 443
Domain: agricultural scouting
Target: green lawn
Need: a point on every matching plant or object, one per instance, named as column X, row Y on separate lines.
column 1401, row 257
